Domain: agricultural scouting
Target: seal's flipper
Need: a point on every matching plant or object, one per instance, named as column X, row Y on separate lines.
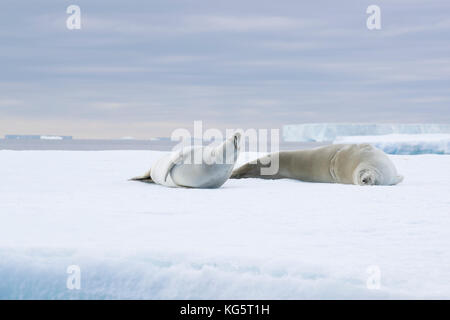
column 169, row 170
column 145, row 178
column 176, row 159
column 252, row 170
column 244, row 171
column 399, row 179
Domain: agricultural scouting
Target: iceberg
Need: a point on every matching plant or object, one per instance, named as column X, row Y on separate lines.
column 51, row 138
column 319, row 132
column 36, row 137
column 404, row 143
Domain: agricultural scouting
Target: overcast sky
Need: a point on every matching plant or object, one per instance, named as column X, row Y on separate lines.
column 145, row 68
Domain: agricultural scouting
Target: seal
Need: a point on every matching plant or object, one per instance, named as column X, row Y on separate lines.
column 195, row 166
column 360, row 164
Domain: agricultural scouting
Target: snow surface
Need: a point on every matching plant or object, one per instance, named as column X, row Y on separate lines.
column 329, row 131
column 250, row 239
column 404, row 143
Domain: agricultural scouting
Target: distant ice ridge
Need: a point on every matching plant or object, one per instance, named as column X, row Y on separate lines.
column 51, row 138
column 329, row 131
column 404, row 143
column 36, row 137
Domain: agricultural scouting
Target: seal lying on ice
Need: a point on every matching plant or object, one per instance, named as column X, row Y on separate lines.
column 196, row 166
column 360, row 164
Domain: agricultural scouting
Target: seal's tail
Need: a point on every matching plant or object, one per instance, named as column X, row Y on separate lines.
column 145, row 178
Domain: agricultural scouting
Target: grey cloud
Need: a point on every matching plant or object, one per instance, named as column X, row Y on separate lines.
column 255, row 63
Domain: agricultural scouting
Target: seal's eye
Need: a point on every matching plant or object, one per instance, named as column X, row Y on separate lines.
column 236, row 142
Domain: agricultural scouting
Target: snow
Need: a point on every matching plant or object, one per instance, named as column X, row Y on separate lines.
column 329, row 131
column 250, row 239
column 404, row 143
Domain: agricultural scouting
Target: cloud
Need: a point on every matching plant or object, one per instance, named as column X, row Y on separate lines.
column 108, row 105
column 252, row 63
column 107, row 69
column 209, row 23
column 293, row 45
column 437, row 99
column 192, row 24
column 442, row 25
column 6, row 103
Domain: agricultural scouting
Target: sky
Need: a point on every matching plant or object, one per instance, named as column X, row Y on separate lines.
column 145, row 68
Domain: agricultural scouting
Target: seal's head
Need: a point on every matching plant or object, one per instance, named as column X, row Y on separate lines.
column 233, row 146
column 375, row 168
